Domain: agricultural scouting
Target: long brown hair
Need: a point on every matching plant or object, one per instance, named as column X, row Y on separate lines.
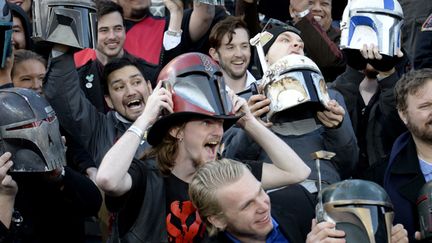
column 166, row 151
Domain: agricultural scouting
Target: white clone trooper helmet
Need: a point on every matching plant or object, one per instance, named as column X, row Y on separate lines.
column 373, row 21
column 294, row 81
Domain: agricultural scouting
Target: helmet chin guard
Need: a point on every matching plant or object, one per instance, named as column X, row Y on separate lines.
column 29, row 130
column 376, row 22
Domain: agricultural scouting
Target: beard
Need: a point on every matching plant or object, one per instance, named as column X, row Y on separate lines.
column 197, row 163
column 422, row 133
column 140, row 13
column 370, row 72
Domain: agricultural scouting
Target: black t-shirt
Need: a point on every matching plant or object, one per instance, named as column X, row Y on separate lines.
column 182, row 221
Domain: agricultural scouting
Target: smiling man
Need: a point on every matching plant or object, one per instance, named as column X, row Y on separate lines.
column 126, row 91
column 230, row 48
column 110, row 41
column 313, row 18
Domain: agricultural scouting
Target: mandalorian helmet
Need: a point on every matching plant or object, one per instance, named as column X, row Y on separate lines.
column 29, row 130
column 198, row 91
column 67, row 22
column 424, row 209
column 376, row 22
column 5, row 32
column 362, row 209
column 294, row 81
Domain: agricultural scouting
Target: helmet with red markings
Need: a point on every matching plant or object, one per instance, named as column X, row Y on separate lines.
column 29, row 130
column 198, row 91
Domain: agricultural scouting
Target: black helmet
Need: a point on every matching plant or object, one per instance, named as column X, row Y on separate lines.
column 5, row 32
column 362, row 209
column 424, row 208
column 29, row 129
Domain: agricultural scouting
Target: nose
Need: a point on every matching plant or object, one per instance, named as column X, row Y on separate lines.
column 37, row 84
column 316, row 6
column 218, row 128
column 263, row 203
column 130, row 90
column 111, row 34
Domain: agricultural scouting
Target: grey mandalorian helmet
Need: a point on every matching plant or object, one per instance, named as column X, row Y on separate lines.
column 5, row 32
column 362, row 209
column 29, row 129
column 424, row 209
column 68, row 22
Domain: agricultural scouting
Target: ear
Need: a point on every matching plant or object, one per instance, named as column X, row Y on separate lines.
column 403, row 116
column 217, row 221
column 109, row 101
column 213, row 53
column 175, row 132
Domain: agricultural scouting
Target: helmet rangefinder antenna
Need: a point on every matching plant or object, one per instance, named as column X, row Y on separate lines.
column 259, row 40
column 317, row 156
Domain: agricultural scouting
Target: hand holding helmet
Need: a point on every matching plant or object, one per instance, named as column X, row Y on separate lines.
column 324, row 232
column 159, row 101
column 8, row 186
column 333, row 115
column 260, row 105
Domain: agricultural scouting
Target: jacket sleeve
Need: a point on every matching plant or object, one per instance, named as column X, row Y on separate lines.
column 239, row 146
column 76, row 114
column 318, row 45
column 342, row 141
column 81, row 192
column 348, row 85
column 392, row 125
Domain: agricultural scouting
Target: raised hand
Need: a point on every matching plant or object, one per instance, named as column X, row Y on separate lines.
column 333, row 115
column 325, row 232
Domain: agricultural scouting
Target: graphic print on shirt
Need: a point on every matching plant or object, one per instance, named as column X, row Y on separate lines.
column 184, row 223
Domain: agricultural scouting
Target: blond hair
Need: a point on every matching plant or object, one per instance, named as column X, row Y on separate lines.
column 204, row 186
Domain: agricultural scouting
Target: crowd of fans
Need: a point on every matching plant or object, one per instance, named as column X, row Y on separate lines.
column 174, row 128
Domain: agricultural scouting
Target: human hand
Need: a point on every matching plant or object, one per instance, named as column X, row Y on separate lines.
column 325, row 232
column 158, row 101
column 240, row 108
column 174, row 6
column 298, row 6
column 91, row 173
column 8, row 186
column 399, row 234
column 259, row 106
column 333, row 115
column 382, row 63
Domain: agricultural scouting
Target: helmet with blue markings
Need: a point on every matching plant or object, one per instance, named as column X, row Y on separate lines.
column 372, row 22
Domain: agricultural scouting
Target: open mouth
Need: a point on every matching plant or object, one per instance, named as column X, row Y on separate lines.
column 317, row 18
column 134, row 104
column 212, row 146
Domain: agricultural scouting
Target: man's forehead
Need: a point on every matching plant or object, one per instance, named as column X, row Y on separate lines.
column 236, row 34
column 291, row 35
column 110, row 19
column 124, row 73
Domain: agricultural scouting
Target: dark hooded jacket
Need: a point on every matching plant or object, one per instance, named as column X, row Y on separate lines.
column 28, row 30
